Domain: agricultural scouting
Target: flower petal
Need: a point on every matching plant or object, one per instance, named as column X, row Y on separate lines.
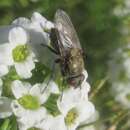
column 45, row 93
column 85, row 88
column 85, row 74
column 59, row 120
column 92, row 119
column 70, row 97
column 22, row 21
column 37, row 17
column 24, row 69
column 5, row 54
column 35, row 90
column 3, row 70
column 22, row 126
column 33, row 117
column 19, row 89
column 48, row 25
column 43, row 22
column 85, row 110
column 53, row 87
column 17, row 109
column 5, row 107
column 18, row 35
column 53, row 123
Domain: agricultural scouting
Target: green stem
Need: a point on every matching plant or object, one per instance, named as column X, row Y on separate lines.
column 98, row 87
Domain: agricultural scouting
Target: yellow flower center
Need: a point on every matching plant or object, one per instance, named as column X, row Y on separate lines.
column 20, row 53
column 29, row 102
column 71, row 117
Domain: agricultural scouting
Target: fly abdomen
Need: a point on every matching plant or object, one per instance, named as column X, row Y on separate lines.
column 75, row 62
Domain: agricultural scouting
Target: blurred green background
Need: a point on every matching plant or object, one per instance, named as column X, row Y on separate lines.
column 99, row 32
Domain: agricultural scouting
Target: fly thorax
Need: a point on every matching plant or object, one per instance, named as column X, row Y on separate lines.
column 76, row 63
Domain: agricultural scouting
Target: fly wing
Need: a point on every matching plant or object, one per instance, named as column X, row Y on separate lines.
column 67, row 35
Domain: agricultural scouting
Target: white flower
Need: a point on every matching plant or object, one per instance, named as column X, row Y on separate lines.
column 73, row 116
column 52, row 123
column 45, row 24
column 77, row 94
column 27, row 106
column 37, row 35
column 72, row 96
column 23, row 57
column 38, row 28
column 4, row 59
column 92, row 119
column 85, row 87
column 5, row 104
column 5, row 107
column 3, row 70
column 74, row 107
column 18, row 53
column 22, row 21
column 52, row 87
column 5, row 51
column 74, row 110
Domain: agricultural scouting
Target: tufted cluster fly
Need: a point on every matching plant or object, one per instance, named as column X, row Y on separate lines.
column 66, row 45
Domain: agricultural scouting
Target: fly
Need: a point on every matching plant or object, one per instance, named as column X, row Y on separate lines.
column 66, row 45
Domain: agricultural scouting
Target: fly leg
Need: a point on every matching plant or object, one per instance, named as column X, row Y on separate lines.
column 52, row 73
column 50, row 48
column 62, row 88
column 53, row 65
column 51, row 76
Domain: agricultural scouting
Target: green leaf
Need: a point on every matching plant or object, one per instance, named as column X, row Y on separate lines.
column 51, row 104
column 5, row 125
column 12, row 75
column 13, row 123
column 24, row 3
column 9, row 124
column 5, row 3
column 29, row 102
column 7, row 80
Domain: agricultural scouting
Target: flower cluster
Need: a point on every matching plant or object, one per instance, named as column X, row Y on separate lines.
column 27, row 92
